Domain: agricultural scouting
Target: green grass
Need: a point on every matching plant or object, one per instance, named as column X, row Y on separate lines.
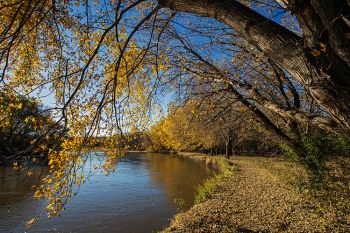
column 206, row 190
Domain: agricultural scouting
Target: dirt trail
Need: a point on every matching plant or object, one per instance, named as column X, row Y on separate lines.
column 252, row 200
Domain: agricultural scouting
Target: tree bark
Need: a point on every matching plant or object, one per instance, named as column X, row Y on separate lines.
column 229, row 149
column 325, row 78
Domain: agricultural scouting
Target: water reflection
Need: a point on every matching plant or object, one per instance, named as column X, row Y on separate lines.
column 177, row 176
column 138, row 197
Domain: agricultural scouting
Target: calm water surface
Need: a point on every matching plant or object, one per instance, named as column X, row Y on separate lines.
column 138, row 197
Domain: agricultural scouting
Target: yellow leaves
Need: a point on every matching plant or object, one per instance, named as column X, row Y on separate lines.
column 15, row 105
column 41, row 60
column 54, row 206
column 58, row 186
column 315, row 53
column 123, row 30
column 32, row 221
column 43, row 147
column 161, row 67
column 180, row 130
column 322, row 49
column 38, row 194
column 16, row 166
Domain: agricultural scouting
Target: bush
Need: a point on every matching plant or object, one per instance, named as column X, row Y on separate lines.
column 315, row 149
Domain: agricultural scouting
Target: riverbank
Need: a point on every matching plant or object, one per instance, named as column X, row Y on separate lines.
column 263, row 195
column 218, row 163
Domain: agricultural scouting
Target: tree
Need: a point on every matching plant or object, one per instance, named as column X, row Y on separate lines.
column 182, row 130
column 211, row 126
column 27, row 131
column 246, row 76
column 319, row 60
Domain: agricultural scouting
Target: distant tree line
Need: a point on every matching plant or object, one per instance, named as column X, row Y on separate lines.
column 187, row 128
column 205, row 127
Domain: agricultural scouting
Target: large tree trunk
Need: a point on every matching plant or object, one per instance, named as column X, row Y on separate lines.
column 325, row 77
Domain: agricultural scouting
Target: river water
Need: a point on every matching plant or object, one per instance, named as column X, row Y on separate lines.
column 142, row 195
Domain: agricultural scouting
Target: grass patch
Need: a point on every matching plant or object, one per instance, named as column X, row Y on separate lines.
column 289, row 172
column 332, row 199
column 225, row 168
column 204, row 191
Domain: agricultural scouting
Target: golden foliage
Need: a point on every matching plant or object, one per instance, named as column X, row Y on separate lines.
column 182, row 129
column 100, row 77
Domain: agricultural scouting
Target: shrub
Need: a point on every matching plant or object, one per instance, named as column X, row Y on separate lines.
column 315, row 149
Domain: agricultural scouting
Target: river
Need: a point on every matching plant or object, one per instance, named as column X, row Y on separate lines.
column 142, row 195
